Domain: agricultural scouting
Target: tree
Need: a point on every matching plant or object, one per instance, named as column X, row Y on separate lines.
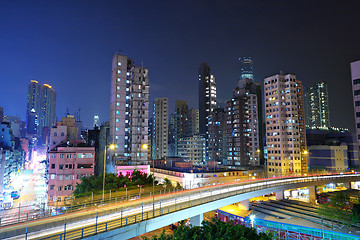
column 215, row 229
column 338, row 209
column 93, row 183
column 167, row 183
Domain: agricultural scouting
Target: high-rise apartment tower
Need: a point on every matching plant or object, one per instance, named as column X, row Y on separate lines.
column 161, row 129
column 207, row 96
column 47, row 108
column 244, row 125
column 355, row 77
column 181, row 123
column 129, row 108
column 33, row 107
column 285, row 125
column 316, row 105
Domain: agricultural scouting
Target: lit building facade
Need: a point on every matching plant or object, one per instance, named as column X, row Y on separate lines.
column 171, row 135
column 207, row 97
column 193, row 149
column 193, row 121
column 181, row 123
column 47, row 108
column 316, row 105
column 244, row 125
column 67, row 165
column 217, row 144
column 129, row 110
column 161, row 129
column 33, row 107
column 355, row 78
column 285, row 125
column 96, row 121
column 246, row 68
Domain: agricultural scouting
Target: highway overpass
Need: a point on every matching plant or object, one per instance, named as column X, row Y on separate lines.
column 124, row 221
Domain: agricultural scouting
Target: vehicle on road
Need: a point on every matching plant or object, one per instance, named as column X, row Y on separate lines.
column 36, row 216
column 15, row 194
column 8, row 203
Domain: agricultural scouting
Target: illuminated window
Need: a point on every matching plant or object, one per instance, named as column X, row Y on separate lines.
column 118, row 87
column 118, row 95
column 118, row 79
column 119, row 71
column 119, row 63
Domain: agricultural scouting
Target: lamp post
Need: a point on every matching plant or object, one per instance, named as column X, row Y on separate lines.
column 111, row 146
column 305, row 155
column 145, row 146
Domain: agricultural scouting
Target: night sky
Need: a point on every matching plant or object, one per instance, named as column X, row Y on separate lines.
column 70, row 44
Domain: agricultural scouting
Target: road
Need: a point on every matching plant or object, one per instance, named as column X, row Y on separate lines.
column 174, row 199
column 24, row 207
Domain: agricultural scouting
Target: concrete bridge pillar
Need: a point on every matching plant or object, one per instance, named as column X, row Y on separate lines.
column 279, row 195
column 312, row 194
column 196, row 220
column 244, row 205
column 347, row 185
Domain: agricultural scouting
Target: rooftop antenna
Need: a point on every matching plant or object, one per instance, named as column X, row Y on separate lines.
column 67, row 112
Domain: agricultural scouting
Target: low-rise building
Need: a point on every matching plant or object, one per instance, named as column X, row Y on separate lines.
column 67, row 165
column 329, row 158
column 193, row 178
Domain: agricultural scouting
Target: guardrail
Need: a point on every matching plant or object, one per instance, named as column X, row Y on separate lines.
column 143, row 216
column 27, row 213
column 286, row 230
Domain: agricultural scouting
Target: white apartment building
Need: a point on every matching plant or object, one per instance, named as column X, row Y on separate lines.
column 129, row 110
column 285, row 125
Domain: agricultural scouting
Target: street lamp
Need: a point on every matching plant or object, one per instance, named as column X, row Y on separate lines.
column 252, row 219
column 111, row 146
column 145, row 146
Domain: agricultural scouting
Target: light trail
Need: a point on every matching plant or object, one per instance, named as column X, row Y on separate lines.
column 180, row 197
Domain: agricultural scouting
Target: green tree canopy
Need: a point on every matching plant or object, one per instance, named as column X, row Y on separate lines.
column 95, row 183
column 214, row 230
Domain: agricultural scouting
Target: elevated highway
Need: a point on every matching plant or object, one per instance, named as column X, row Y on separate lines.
column 124, row 221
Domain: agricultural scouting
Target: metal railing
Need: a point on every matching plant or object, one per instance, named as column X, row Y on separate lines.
column 291, row 231
column 27, row 213
column 227, row 191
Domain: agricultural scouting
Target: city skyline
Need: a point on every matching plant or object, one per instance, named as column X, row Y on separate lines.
column 82, row 69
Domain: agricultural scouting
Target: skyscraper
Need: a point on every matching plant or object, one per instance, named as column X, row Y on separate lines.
column 47, row 108
column 161, row 129
column 285, row 125
column 207, row 96
column 316, row 105
column 244, row 125
column 246, row 68
column 33, row 107
column 129, row 107
column 355, row 77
